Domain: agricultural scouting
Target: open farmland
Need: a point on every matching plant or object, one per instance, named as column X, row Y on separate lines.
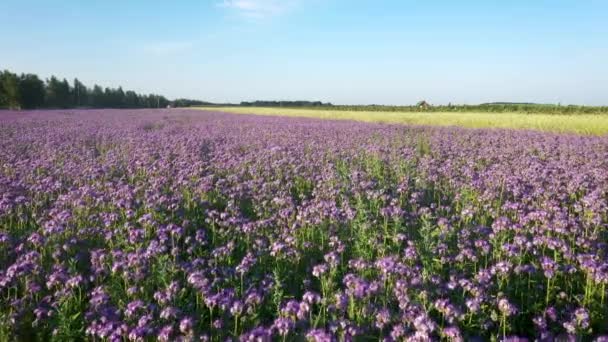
column 580, row 123
column 186, row 224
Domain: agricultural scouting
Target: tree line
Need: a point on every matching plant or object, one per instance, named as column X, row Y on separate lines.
column 423, row 106
column 285, row 104
column 28, row 91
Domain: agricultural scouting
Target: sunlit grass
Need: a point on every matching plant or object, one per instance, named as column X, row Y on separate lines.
column 578, row 123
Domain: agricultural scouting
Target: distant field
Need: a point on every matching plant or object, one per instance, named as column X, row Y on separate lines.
column 579, row 123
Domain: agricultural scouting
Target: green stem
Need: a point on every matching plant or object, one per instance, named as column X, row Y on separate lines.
column 548, row 291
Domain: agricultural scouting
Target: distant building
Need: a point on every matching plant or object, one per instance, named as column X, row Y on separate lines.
column 423, row 105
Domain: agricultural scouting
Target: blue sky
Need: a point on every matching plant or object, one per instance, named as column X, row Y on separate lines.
column 360, row 52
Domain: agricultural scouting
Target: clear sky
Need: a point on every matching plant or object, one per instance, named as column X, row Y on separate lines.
column 343, row 51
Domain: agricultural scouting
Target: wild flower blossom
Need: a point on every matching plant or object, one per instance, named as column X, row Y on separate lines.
column 220, row 227
column 506, row 308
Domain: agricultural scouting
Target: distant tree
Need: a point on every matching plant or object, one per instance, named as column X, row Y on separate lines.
column 2, row 95
column 164, row 102
column 114, row 98
column 189, row 103
column 79, row 94
column 131, row 99
column 31, row 91
column 57, row 93
column 286, row 104
column 155, row 101
column 96, row 98
column 108, row 97
column 119, row 98
column 144, row 101
column 9, row 85
column 423, row 105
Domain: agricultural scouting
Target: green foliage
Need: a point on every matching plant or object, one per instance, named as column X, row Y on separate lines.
column 9, row 90
column 189, row 103
column 57, row 93
column 80, row 93
column 286, row 104
column 24, row 91
column 31, row 89
column 302, row 189
column 28, row 91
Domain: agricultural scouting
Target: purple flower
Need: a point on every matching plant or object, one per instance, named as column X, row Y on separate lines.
column 506, row 308
column 383, row 317
column 319, row 335
column 283, row 325
column 311, row 297
column 237, row 308
column 169, row 313
column 165, row 333
column 134, row 307
column 548, row 266
column 319, row 270
column 258, row 334
column 452, row 334
column 185, row 326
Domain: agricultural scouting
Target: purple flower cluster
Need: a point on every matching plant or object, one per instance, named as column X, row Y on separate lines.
column 186, row 225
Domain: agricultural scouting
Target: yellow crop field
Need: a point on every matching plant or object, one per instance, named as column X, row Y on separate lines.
column 589, row 124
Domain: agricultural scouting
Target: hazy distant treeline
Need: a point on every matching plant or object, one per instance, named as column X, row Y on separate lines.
column 488, row 107
column 285, row 104
column 28, row 91
column 423, row 106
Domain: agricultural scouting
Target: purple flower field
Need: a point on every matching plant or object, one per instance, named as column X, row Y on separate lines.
column 186, row 225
